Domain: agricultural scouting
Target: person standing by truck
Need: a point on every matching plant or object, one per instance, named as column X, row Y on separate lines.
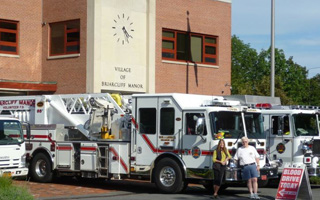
column 249, row 161
column 220, row 159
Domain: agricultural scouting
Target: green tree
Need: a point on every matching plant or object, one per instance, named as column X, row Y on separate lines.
column 314, row 90
column 251, row 74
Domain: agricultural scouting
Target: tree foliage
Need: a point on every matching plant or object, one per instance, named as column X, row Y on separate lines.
column 251, row 75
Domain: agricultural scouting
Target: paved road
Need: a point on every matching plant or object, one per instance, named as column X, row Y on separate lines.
column 132, row 190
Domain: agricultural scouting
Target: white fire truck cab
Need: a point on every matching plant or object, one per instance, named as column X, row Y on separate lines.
column 292, row 132
column 293, row 136
column 12, row 148
column 167, row 138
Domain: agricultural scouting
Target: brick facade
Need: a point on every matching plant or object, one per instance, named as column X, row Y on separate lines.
column 69, row 73
column 26, row 65
column 205, row 17
column 33, row 64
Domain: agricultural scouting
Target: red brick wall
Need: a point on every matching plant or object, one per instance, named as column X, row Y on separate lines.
column 205, row 17
column 69, row 73
column 27, row 67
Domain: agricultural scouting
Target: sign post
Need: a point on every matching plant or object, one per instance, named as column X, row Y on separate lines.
column 294, row 184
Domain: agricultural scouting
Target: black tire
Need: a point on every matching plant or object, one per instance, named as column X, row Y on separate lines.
column 209, row 186
column 41, row 169
column 263, row 183
column 168, row 176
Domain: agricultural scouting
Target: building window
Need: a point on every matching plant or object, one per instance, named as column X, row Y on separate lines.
column 65, row 38
column 9, row 37
column 189, row 47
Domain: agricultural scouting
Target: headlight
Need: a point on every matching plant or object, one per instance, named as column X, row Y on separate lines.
column 23, row 160
column 305, row 147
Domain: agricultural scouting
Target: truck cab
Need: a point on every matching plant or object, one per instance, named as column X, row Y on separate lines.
column 174, row 136
column 293, row 136
column 12, row 148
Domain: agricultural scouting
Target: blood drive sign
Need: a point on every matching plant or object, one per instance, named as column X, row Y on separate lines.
column 290, row 183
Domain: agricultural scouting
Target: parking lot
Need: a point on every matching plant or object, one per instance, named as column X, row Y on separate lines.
column 68, row 188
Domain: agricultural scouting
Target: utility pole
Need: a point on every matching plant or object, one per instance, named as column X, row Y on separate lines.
column 272, row 48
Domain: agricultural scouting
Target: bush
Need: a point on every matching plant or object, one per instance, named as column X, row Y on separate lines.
column 315, row 180
column 11, row 192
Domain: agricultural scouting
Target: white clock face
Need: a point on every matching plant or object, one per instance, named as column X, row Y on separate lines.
column 123, row 29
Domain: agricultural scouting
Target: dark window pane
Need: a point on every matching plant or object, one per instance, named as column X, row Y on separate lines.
column 8, row 25
column 210, row 50
column 211, row 40
column 73, row 37
column 167, row 34
column 210, row 60
column 8, row 37
column 74, row 48
column 196, row 49
column 182, row 46
column 167, row 44
column 167, row 121
column 167, row 55
column 147, row 120
column 57, row 38
column 8, row 48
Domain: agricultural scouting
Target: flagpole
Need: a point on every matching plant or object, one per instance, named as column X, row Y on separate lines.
column 272, row 47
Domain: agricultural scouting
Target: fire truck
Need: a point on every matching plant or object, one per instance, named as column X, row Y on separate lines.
column 166, row 138
column 12, row 148
column 292, row 132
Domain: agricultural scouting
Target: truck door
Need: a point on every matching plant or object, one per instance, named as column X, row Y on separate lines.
column 159, row 122
column 196, row 149
column 146, row 137
column 280, row 138
column 170, row 119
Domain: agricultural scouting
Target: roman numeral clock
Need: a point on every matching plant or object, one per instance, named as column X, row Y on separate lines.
column 123, row 29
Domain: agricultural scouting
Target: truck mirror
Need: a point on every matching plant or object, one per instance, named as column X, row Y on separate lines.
column 200, row 126
column 27, row 125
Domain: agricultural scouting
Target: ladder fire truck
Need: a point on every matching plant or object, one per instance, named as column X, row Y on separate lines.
column 167, row 138
column 292, row 132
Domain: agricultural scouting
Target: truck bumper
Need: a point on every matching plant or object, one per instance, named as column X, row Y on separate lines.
column 16, row 172
column 266, row 173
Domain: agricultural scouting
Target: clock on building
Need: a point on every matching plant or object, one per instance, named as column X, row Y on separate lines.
column 123, row 29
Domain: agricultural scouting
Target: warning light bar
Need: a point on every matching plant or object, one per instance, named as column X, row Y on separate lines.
column 263, row 105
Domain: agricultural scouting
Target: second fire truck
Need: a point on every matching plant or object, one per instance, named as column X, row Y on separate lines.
column 292, row 132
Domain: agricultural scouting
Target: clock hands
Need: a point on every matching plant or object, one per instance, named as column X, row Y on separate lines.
column 126, row 34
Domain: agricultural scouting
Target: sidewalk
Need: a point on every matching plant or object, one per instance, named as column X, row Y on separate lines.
column 65, row 188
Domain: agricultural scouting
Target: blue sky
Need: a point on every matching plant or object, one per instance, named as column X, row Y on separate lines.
column 297, row 28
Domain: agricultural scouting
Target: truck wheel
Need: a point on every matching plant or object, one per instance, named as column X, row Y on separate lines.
column 263, row 183
column 169, row 177
column 209, row 186
column 41, row 170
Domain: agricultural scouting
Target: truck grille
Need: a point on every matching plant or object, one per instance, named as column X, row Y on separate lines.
column 316, row 147
column 7, row 163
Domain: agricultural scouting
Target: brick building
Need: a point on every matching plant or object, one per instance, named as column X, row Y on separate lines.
column 127, row 46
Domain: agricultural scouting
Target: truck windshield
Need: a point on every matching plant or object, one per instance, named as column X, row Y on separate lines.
column 10, row 132
column 254, row 125
column 228, row 123
column 305, row 124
